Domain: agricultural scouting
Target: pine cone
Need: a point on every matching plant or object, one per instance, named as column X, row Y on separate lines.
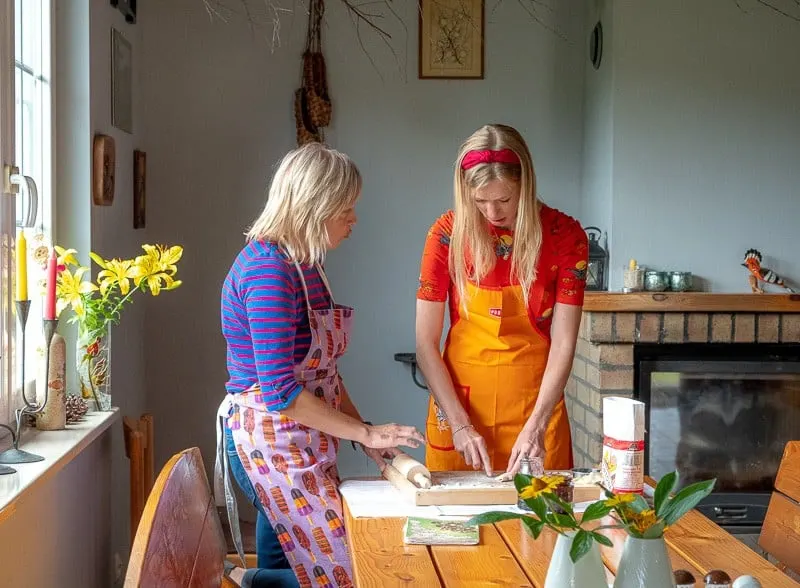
column 76, row 408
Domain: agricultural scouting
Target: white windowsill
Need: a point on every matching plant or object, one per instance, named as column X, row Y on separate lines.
column 58, row 449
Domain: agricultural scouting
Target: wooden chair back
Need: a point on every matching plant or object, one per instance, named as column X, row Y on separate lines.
column 139, row 449
column 179, row 542
column 780, row 535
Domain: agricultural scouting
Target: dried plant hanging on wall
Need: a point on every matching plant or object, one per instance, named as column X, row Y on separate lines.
column 312, row 103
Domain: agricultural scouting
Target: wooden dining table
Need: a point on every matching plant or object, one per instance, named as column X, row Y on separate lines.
column 508, row 556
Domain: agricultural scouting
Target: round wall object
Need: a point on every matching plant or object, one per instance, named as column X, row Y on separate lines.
column 596, row 45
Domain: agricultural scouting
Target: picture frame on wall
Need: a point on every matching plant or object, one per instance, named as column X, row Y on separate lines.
column 451, row 43
column 104, row 163
column 139, row 188
column 121, row 82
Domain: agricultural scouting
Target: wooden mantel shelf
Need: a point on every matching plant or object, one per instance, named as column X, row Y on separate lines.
column 690, row 302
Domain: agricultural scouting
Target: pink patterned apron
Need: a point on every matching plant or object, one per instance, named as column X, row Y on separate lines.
column 292, row 467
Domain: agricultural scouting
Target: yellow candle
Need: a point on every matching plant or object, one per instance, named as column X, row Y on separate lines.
column 22, row 267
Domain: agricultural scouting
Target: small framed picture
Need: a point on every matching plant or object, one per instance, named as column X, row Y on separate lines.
column 121, row 82
column 104, row 164
column 451, row 39
column 139, row 188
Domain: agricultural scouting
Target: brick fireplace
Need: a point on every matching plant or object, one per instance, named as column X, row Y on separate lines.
column 613, row 324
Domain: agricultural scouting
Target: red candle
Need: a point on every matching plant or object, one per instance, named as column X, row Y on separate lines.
column 50, row 298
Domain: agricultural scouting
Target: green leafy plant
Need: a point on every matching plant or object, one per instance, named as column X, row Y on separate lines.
column 549, row 510
column 643, row 521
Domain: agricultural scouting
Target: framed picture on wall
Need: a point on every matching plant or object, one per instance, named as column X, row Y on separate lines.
column 121, row 82
column 139, row 188
column 451, row 39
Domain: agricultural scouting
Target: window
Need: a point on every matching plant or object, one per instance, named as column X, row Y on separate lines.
column 26, row 151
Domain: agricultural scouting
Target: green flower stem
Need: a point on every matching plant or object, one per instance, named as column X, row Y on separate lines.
column 91, row 384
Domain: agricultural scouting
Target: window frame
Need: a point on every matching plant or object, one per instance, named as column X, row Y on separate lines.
column 14, row 65
column 7, row 210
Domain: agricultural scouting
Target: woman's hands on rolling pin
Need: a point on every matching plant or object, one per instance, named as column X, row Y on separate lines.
column 472, row 447
column 381, row 456
column 392, row 435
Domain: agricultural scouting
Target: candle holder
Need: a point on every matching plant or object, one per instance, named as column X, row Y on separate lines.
column 15, row 454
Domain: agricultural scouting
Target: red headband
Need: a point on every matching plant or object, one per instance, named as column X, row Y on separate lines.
column 473, row 158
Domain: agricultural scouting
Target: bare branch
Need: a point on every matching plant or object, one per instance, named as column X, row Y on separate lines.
column 774, row 6
column 531, row 7
column 770, row 4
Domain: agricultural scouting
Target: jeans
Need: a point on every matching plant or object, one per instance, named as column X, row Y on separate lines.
column 275, row 569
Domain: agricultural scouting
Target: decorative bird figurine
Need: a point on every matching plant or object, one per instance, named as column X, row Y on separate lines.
column 752, row 261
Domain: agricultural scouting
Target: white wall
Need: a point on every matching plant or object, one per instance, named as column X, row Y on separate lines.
column 83, row 108
column 706, row 103
column 218, row 110
column 113, row 235
column 58, row 534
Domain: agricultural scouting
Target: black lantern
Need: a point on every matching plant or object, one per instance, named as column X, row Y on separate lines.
column 597, row 272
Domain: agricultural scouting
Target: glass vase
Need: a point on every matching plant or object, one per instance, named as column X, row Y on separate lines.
column 93, row 359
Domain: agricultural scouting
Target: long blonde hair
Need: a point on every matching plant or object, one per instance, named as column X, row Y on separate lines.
column 312, row 184
column 471, row 239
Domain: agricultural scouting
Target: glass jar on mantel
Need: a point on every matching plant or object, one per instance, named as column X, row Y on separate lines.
column 93, row 360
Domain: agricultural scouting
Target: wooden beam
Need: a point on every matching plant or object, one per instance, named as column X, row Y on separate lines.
column 690, row 302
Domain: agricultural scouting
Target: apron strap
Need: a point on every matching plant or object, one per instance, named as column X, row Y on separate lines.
column 305, row 286
column 324, row 277
column 225, row 488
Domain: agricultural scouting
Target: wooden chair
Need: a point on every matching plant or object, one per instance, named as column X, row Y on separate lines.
column 179, row 542
column 139, row 449
column 780, row 534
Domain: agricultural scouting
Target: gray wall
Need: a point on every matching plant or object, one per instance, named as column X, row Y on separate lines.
column 706, row 116
column 598, row 130
column 218, row 110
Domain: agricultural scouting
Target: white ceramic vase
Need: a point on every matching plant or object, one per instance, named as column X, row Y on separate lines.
column 644, row 562
column 588, row 572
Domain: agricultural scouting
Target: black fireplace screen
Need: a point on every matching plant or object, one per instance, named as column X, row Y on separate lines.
column 723, row 412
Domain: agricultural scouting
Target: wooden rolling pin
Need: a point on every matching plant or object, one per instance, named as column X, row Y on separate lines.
column 412, row 470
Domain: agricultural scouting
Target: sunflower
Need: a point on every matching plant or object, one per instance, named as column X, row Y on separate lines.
column 620, row 500
column 541, row 485
column 642, row 521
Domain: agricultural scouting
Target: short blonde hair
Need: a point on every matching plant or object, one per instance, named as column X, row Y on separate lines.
column 312, row 185
column 471, row 240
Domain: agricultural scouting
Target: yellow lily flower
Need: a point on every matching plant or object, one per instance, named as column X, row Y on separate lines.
column 541, row 485
column 71, row 288
column 147, row 269
column 116, row 271
column 65, row 256
column 164, row 259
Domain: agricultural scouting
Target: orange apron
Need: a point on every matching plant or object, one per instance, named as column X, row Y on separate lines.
column 496, row 359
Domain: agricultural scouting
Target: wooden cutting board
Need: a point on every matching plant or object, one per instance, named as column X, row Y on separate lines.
column 454, row 488
column 467, row 488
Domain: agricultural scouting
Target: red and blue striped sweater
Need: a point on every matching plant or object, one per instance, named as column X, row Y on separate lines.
column 265, row 322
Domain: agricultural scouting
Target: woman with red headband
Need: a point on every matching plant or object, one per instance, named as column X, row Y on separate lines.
column 513, row 272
